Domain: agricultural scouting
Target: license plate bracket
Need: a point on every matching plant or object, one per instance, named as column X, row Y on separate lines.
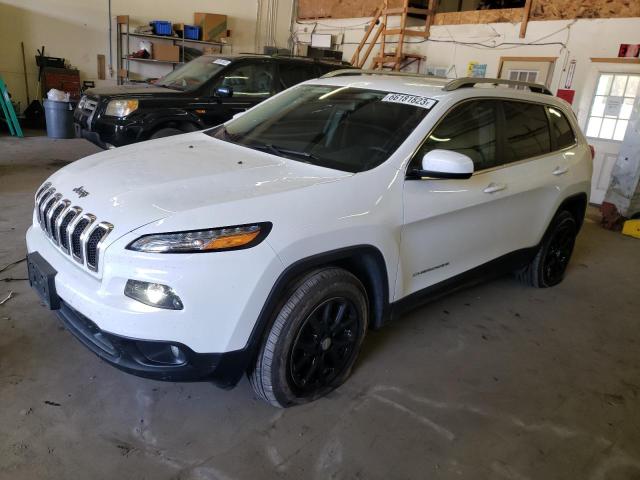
column 42, row 280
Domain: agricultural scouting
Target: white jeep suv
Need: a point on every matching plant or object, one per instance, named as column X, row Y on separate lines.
column 270, row 244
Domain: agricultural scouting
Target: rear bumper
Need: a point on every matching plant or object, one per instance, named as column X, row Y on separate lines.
column 153, row 359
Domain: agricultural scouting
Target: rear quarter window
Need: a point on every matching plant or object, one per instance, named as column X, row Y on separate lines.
column 561, row 131
column 526, row 131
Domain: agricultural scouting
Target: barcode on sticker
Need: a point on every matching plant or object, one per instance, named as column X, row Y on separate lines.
column 414, row 100
column 222, row 61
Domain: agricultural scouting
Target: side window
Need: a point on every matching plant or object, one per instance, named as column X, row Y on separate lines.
column 249, row 79
column 292, row 73
column 526, row 131
column 470, row 129
column 561, row 130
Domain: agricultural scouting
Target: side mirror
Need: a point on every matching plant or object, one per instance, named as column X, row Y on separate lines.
column 224, row 92
column 444, row 164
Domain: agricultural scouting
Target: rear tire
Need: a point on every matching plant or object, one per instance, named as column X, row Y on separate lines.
column 550, row 263
column 314, row 340
column 165, row 132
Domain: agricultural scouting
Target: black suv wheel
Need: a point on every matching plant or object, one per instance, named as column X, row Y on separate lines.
column 314, row 341
column 550, row 263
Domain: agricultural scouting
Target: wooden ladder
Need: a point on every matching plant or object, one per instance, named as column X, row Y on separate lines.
column 397, row 59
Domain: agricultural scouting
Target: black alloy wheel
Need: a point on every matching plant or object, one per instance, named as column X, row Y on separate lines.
column 324, row 346
column 558, row 253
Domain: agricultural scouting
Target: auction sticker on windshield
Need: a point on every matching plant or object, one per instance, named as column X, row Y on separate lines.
column 222, row 61
column 414, row 100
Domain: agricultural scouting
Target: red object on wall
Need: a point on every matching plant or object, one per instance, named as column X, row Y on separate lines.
column 65, row 79
column 565, row 94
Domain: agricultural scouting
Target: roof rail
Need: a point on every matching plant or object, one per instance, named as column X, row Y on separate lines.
column 471, row 81
column 355, row 71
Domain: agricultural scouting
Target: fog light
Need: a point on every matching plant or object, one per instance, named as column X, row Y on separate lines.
column 153, row 294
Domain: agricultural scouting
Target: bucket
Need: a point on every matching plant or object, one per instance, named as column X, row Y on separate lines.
column 59, row 117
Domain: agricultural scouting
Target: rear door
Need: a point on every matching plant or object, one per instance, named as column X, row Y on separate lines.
column 452, row 226
column 293, row 72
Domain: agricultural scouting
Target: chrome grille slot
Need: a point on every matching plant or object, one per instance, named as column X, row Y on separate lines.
column 53, row 221
column 65, row 222
column 41, row 203
column 77, row 234
column 77, row 252
column 42, row 190
column 93, row 243
column 45, row 212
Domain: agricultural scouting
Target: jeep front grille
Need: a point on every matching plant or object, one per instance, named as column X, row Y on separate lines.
column 77, row 234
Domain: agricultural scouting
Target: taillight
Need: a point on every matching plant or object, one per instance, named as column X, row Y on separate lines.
column 593, row 151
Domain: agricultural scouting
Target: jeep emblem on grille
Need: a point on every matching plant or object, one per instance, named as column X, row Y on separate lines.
column 81, row 191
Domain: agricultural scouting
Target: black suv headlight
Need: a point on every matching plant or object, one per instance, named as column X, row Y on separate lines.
column 193, row 241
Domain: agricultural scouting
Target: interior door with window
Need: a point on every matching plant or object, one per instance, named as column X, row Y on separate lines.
column 527, row 69
column 609, row 114
column 452, row 226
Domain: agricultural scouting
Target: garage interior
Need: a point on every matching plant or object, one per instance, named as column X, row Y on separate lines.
column 497, row 381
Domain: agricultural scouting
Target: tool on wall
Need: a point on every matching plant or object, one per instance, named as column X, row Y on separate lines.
column 9, row 112
column 24, row 68
column 397, row 59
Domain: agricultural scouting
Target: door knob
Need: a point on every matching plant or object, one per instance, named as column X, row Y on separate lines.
column 560, row 170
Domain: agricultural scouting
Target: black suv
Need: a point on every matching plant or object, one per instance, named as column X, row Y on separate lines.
column 204, row 92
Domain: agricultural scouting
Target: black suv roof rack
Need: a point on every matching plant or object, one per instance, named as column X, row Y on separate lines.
column 467, row 82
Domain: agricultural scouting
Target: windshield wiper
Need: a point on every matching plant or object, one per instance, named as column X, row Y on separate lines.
column 284, row 152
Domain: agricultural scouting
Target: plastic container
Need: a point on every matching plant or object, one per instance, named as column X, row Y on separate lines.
column 191, row 32
column 162, row 27
column 59, row 117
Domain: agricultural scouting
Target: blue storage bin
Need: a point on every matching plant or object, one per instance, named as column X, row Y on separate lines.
column 162, row 27
column 191, row 32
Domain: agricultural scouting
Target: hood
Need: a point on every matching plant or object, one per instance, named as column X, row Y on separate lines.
column 135, row 185
column 131, row 91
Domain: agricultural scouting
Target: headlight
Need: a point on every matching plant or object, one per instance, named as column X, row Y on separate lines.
column 121, row 108
column 214, row 239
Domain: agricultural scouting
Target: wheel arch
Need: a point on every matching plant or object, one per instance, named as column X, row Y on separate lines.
column 366, row 262
column 180, row 119
column 576, row 205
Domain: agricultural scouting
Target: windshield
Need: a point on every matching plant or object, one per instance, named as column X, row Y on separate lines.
column 344, row 128
column 194, row 74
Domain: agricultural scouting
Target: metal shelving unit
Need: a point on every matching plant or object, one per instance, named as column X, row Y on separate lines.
column 124, row 47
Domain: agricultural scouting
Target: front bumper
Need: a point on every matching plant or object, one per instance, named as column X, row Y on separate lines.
column 223, row 293
column 148, row 359
column 107, row 132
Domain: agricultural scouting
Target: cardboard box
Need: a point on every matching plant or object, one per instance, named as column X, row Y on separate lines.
column 166, row 52
column 212, row 25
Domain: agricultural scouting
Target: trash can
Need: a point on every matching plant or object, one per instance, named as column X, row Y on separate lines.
column 59, row 117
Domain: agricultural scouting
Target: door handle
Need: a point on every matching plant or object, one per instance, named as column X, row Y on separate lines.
column 560, row 170
column 494, row 187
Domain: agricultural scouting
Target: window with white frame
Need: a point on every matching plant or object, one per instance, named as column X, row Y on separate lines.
column 523, row 76
column 612, row 106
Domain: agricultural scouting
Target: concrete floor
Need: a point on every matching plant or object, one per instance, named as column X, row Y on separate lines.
column 499, row 381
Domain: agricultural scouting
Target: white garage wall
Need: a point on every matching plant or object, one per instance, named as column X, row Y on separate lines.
column 78, row 31
column 582, row 39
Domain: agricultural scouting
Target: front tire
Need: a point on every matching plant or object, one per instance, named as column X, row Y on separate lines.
column 314, row 341
column 550, row 263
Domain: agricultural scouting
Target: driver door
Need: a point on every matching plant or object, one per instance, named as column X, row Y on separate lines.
column 250, row 81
